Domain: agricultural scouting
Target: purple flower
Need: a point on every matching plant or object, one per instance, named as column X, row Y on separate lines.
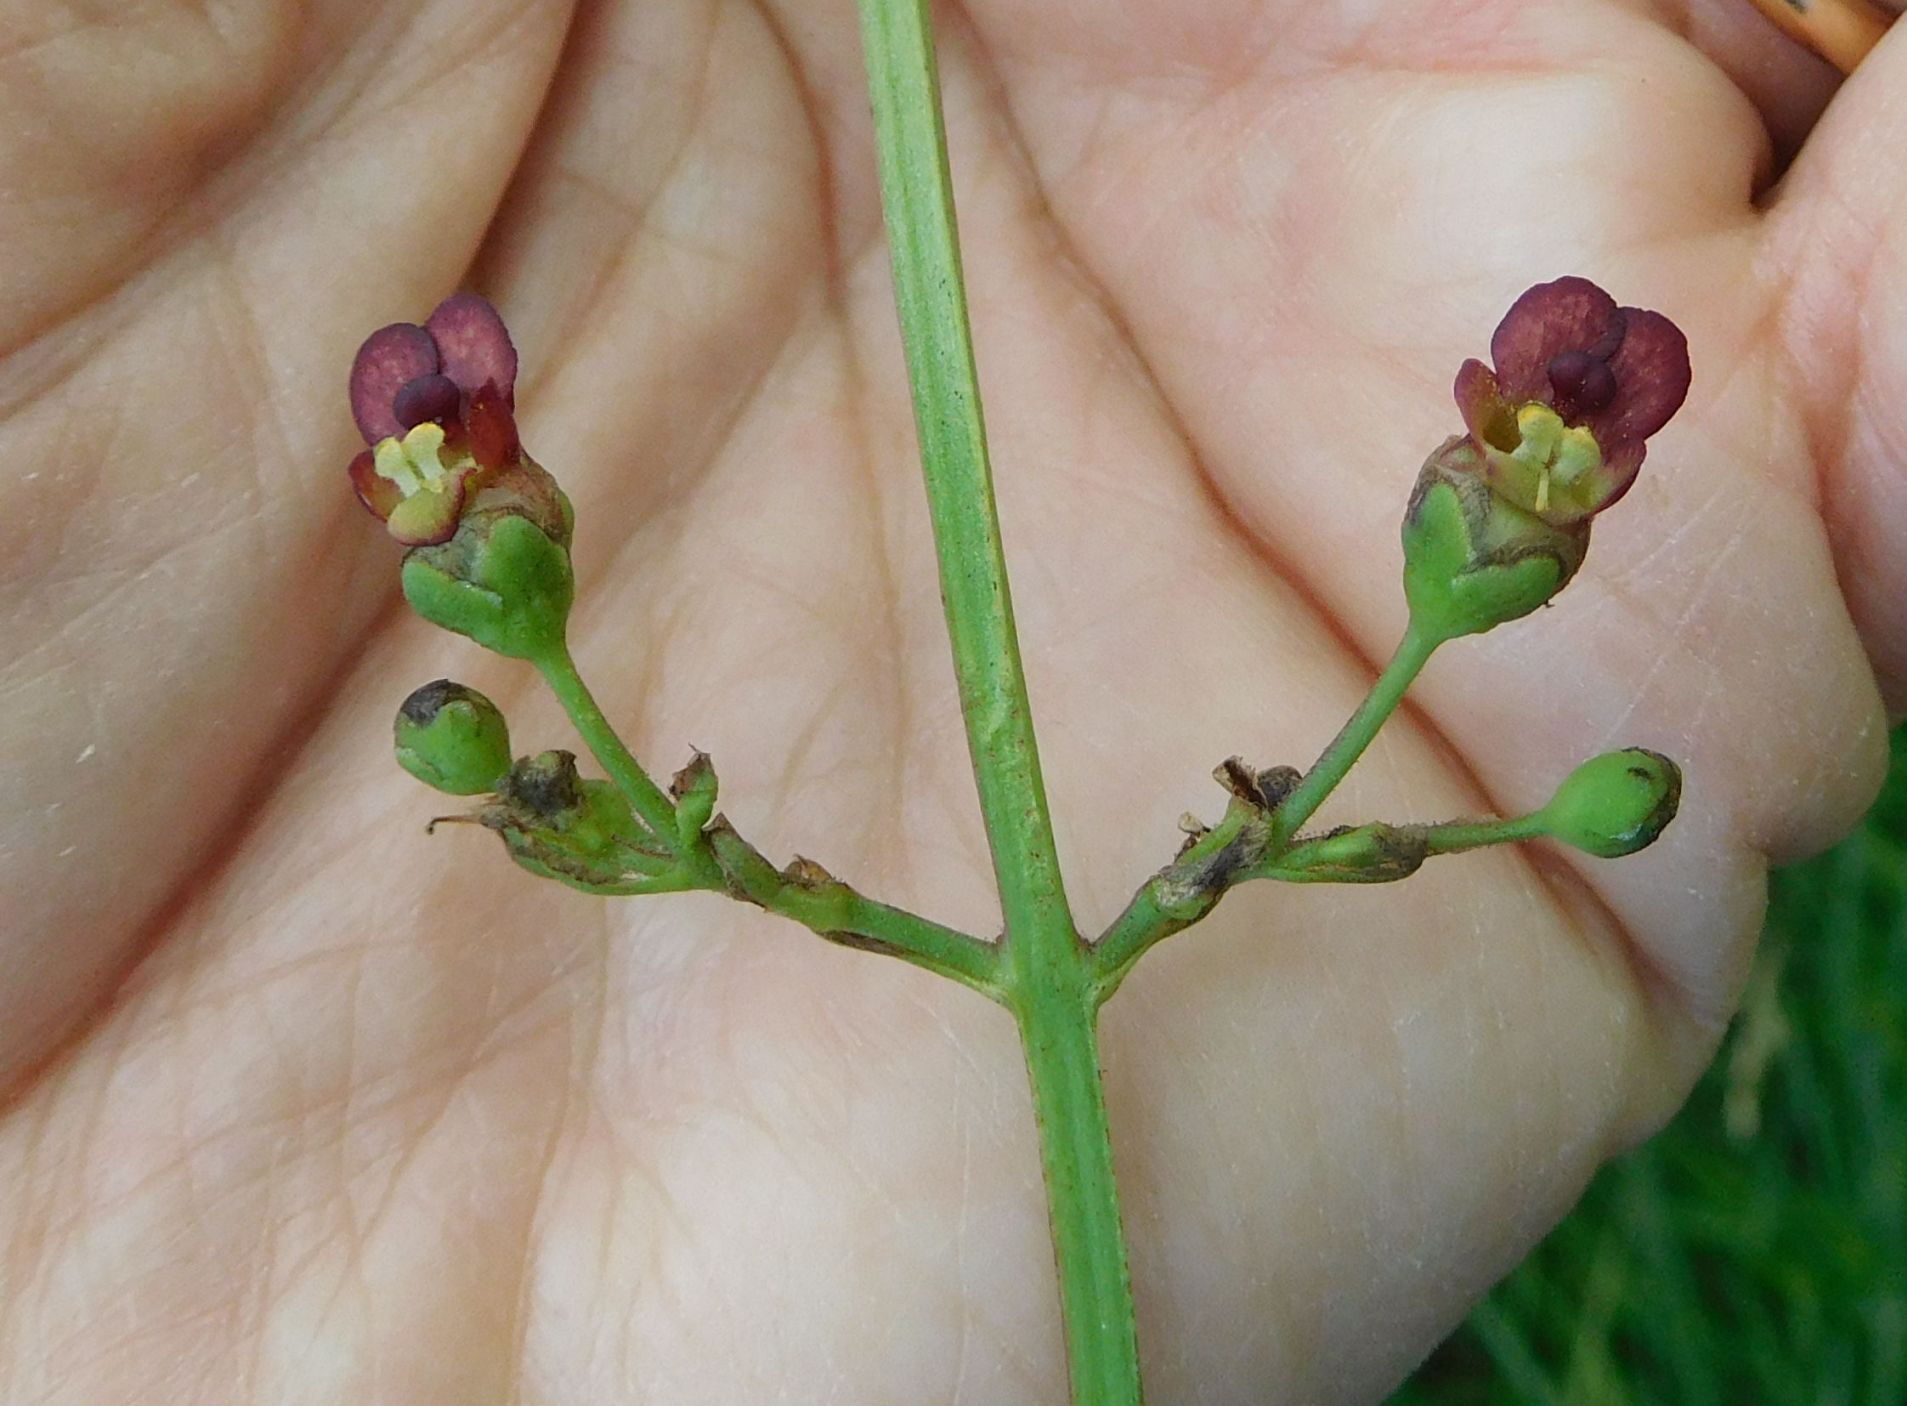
column 436, row 404
column 1578, row 387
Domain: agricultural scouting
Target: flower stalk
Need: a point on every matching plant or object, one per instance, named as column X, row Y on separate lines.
column 650, row 804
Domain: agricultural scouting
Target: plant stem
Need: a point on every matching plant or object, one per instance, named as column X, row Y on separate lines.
column 646, row 798
column 1095, row 1285
column 1247, row 844
column 817, row 900
column 1045, row 969
column 917, row 194
column 1457, row 836
column 1179, row 895
column 719, row 860
column 1413, row 651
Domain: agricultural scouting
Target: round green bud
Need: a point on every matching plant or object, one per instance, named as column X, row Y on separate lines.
column 452, row 738
column 1615, row 804
column 1473, row 560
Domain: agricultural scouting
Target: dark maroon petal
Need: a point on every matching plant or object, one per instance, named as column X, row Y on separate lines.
column 429, row 397
column 491, row 429
column 390, row 359
column 1652, row 375
column 1570, row 314
column 375, row 491
column 1490, row 419
column 1623, row 468
column 475, row 345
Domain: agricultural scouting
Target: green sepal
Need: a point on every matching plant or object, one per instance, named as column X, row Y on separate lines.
column 452, row 738
column 693, row 789
column 1615, row 804
column 1472, row 559
column 500, row 581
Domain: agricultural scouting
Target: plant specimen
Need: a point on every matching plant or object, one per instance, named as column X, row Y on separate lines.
column 1555, row 431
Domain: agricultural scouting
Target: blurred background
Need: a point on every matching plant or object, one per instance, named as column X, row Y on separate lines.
column 1756, row 1250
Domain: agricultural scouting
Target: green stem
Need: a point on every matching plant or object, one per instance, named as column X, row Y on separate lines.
column 720, row 860
column 1095, row 1285
column 817, row 900
column 1413, row 651
column 1239, row 849
column 1045, row 969
column 1179, row 895
column 646, row 798
column 1457, row 836
column 917, row 194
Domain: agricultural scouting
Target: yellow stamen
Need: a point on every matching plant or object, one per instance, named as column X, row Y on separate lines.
column 415, row 462
column 1554, row 455
column 392, row 464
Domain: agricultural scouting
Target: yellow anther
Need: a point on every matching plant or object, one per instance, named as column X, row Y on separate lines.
column 415, row 462
column 392, row 463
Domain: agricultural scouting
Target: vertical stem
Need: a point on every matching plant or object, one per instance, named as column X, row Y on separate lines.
column 1045, row 972
column 917, row 195
column 1095, row 1285
column 1413, row 652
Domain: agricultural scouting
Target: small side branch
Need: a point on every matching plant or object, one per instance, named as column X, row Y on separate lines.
column 1244, row 847
column 811, row 896
column 671, row 842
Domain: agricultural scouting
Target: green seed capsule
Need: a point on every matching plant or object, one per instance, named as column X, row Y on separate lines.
column 452, row 738
column 1615, row 804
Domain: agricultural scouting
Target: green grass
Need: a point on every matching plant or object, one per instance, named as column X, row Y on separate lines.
column 1756, row 1250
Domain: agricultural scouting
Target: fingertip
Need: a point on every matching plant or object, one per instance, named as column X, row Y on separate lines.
column 1837, row 240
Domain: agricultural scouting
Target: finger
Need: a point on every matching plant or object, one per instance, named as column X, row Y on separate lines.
column 670, row 228
column 1788, row 82
column 176, row 575
column 1838, row 238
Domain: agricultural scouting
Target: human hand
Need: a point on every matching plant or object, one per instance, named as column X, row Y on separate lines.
column 306, row 1107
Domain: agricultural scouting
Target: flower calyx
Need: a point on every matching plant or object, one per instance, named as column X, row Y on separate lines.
column 1473, row 559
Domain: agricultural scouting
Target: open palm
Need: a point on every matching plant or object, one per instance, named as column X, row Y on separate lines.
column 303, row 1106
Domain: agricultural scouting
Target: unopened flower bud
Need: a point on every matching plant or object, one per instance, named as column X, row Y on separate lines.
column 1473, row 560
column 452, row 738
column 1615, row 804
